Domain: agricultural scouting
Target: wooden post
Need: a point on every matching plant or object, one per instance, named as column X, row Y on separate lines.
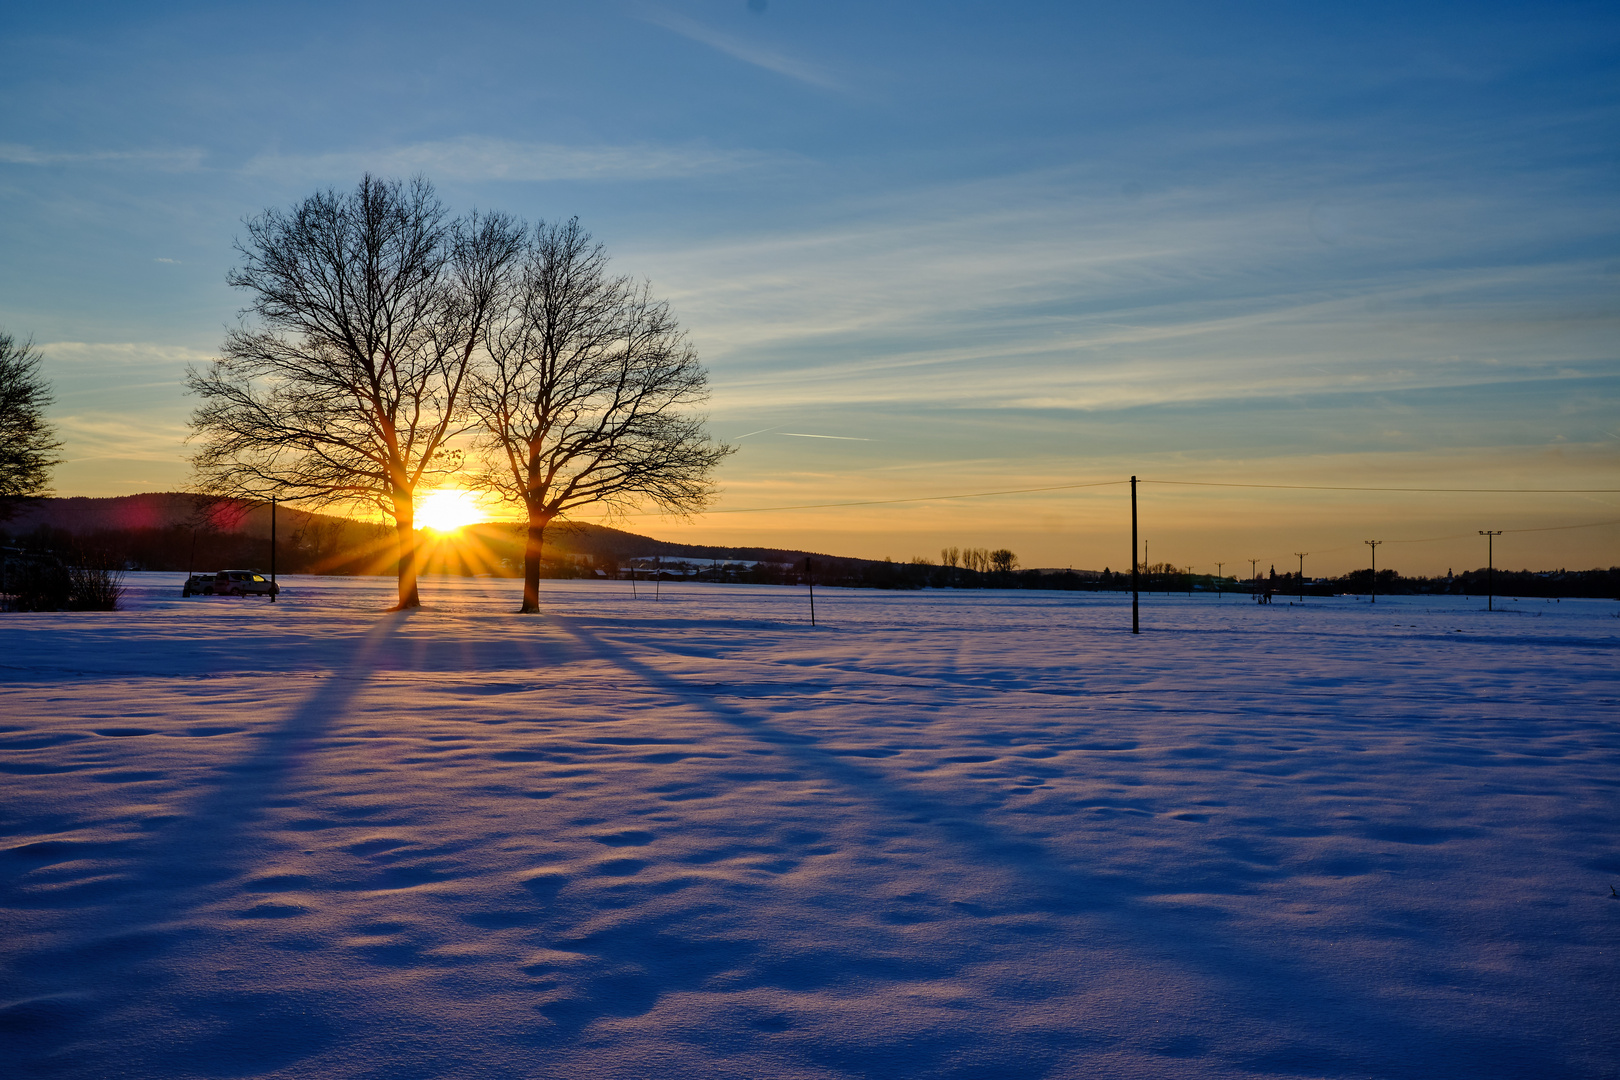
column 273, row 588
column 810, row 580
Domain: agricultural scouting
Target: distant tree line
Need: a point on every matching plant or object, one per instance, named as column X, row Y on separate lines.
column 1596, row 583
column 212, row 535
column 330, row 547
column 975, row 560
column 322, row 544
column 1165, row 578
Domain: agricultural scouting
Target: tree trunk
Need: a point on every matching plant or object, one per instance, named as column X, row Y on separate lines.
column 532, row 548
column 405, row 544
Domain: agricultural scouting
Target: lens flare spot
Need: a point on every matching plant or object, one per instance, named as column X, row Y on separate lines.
column 447, row 510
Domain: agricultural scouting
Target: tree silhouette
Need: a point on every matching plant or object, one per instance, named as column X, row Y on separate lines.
column 27, row 444
column 584, row 395
column 346, row 387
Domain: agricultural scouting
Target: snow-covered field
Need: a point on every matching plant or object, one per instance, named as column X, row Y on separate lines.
column 941, row 835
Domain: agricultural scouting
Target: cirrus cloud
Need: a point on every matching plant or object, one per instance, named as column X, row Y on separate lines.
column 185, row 159
column 478, row 157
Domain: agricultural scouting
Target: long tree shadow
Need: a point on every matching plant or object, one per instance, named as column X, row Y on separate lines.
column 129, row 958
column 206, row 845
column 1329, row 1028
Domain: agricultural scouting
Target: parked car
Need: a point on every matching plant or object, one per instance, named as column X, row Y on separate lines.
column 243, row 583
column 198, row 585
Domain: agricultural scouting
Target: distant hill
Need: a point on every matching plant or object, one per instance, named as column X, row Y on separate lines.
column 173, row 531
column 177, row 531
column 83, row 515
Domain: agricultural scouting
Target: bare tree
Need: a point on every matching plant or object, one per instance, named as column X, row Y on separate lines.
column 347, row 386
column 27, row 444
column 584, row 396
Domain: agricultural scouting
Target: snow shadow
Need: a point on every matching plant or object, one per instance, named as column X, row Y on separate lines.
column 206, row 845
column 1320, row 1026
column 137, row 968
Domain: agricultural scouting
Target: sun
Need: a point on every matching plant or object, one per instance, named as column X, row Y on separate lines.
column 447, row 510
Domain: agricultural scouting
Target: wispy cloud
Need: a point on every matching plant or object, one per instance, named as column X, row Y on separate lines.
column 1031, row 292
column 737, row 48
column 840, row 438
column 100, row 435
column 149, row 423
column 181, row 160
column 124, row 353
column 477, row 157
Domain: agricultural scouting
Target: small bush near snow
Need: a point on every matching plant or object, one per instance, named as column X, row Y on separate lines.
column 40, row 581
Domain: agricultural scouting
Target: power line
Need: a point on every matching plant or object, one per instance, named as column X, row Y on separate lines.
column 1555, row 528
column 1326, row 487
column 1181, row 483
column 891, row 502
column 1464, row 536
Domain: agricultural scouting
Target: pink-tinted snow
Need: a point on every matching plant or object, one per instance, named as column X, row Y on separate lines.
column 941, row 835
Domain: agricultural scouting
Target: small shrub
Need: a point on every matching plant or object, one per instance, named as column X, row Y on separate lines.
column 95, row 583
column 40, row 581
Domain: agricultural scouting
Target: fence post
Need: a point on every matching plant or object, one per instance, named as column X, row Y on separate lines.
column 810, row 580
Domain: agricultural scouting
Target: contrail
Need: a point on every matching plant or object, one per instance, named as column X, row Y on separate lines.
column 843, row 438
column 761, row 431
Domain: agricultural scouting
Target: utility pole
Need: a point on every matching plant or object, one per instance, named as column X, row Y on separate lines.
column 1302, row 555
column 1254, row 577
column 1490, row 536
column 1136, row 626
column 1220, row 580
column 273, row 587
column 1372, row 588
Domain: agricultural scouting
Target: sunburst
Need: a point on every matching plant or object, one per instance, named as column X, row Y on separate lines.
column 447, row 510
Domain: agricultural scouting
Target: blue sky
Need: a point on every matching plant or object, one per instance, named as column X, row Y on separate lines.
column 989, row 246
